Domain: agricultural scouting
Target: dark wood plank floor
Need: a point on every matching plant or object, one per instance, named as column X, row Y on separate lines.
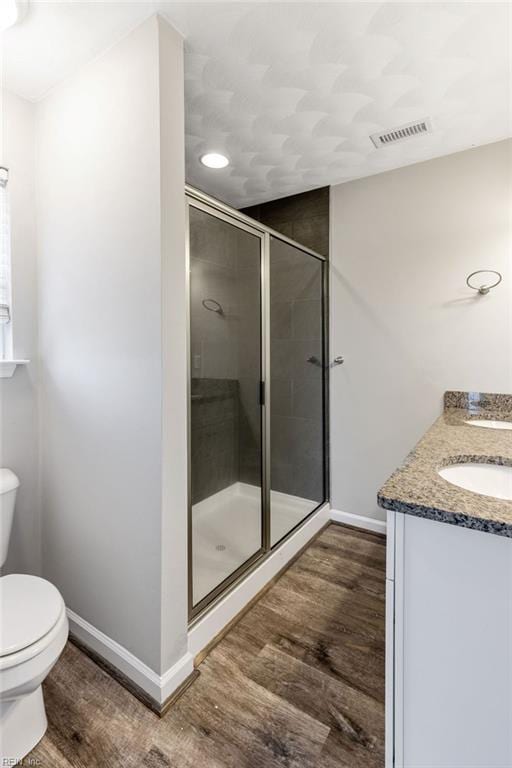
column 298, row 682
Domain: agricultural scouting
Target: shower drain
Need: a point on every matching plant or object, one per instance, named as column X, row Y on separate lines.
column 220, row 547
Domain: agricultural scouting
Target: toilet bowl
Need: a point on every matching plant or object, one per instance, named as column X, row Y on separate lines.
column 33, row 633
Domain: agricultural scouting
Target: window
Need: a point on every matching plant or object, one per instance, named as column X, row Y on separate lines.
column 6, row 351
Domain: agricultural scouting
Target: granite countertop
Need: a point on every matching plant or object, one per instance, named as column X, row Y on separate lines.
column 416, row 488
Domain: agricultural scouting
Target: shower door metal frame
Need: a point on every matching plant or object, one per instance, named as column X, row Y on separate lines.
column 199, row 200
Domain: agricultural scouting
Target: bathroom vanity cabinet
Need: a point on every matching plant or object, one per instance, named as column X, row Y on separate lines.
column 449, row 646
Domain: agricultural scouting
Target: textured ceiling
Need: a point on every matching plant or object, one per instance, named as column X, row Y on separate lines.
column 291, row 91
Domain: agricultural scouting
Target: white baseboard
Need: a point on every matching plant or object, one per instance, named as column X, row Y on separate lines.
column 205, row 629
column 359, row 521
column 158, row 687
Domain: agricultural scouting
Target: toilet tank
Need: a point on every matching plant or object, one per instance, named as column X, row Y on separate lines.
column 8, row 486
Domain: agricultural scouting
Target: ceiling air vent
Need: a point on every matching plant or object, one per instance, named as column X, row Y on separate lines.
column 408, row 131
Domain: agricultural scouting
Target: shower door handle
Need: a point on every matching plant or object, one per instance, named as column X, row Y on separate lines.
column 315, row 361
column 262, row 393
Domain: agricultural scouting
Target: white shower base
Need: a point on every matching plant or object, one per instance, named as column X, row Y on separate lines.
column 226, row 531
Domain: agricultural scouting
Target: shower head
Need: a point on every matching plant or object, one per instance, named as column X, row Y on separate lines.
column 213, row 306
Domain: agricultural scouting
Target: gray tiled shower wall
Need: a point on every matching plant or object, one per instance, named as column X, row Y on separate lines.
column 296, row 335
column 304, row 218
column 225, row 439
column 225, row 351
column 297, row 442
column 214, row 426
column 225, row 356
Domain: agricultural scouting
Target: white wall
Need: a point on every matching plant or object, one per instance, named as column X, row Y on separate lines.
column 18, row 395
column 110, row 207
column 174, row 297
column 402, row 245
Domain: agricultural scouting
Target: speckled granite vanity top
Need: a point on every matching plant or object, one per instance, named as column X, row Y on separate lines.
column 416, row 487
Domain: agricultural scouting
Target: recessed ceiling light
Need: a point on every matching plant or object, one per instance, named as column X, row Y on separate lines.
column 11, row 12
column 214, row 160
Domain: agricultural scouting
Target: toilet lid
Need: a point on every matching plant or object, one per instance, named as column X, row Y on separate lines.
column 29, row 608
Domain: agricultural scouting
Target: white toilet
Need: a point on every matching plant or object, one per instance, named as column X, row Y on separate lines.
column 33, row 633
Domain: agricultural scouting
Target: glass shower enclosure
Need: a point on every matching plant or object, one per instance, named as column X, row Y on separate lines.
column 257, row 393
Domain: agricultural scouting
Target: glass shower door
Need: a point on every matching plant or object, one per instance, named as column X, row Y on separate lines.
column 257, row 435
column 297, row 371
column 226, row 523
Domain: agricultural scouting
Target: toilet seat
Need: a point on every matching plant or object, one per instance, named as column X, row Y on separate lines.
column 22, row 714
column 30, row 607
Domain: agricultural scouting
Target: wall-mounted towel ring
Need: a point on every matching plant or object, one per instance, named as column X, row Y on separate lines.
column 485, row 288
column 212, row 306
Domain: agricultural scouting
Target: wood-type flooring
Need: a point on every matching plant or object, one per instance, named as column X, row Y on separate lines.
column 297, row 682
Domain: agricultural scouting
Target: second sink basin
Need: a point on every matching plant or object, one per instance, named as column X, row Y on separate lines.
column 485, row 479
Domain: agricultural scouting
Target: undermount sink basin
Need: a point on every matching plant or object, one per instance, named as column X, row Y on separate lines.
column 489, row 423
column 485, row 479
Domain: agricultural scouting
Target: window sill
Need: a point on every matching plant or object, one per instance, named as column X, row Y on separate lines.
column 7, row 367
